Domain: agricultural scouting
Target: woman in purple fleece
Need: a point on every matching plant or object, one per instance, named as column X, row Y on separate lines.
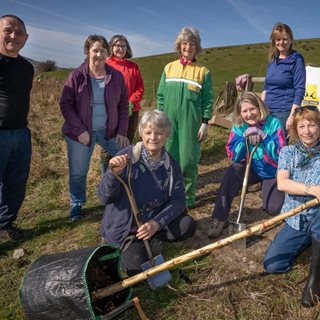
column 94, row 105
column 286, row 76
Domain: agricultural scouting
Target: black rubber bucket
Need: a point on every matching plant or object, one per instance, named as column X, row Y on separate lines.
column 59, row 286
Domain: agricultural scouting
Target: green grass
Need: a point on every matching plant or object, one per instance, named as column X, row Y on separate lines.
column 226, row 63
column 46, row 210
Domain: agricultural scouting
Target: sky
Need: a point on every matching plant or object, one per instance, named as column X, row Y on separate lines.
column 58, row 28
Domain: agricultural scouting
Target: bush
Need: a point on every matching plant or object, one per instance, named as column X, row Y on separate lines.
column 46, row 66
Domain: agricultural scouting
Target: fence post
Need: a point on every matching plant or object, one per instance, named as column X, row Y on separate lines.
column 154, row 90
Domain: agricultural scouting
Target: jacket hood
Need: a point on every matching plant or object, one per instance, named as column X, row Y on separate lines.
column 136, row 152
column 290, row 59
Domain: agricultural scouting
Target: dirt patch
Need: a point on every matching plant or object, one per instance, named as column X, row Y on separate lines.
column 237, row 263
column 210, row 176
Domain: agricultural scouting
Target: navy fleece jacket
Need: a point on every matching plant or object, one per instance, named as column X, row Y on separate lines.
column 285, row 83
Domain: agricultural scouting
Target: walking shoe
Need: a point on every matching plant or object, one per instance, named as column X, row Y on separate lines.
column 16, row 233
column 76, row 213
column 216, row 228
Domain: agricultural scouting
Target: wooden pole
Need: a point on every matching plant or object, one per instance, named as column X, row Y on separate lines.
column 263, row 226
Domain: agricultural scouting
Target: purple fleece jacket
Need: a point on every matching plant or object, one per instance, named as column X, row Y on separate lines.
column 77, row 98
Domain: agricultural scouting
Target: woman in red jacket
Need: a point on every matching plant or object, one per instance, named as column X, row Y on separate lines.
column 120, row 52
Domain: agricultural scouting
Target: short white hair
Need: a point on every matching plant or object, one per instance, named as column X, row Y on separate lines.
column 157, row 118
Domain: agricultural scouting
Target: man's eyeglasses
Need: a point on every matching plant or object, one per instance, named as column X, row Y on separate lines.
column 300, row 109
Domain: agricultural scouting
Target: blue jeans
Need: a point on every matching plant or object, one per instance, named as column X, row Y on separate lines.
column 282, row 117
column 79, row 157
column 288, row 244
column 15, row 159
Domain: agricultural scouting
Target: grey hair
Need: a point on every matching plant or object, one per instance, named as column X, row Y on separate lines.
column 188, row 34
column 157, row 118
column 115, row 39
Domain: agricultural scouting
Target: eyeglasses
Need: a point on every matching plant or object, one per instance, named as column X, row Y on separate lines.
column 190, row 44
column 119, row 46
column 308, row 107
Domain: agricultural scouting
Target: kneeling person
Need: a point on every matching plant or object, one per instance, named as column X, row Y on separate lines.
column 157, row 186
column 299, row 177
column 251, row 121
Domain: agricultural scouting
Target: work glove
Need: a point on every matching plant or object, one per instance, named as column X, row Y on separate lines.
column 130, row 107
column 254, row 135
column 203, row 132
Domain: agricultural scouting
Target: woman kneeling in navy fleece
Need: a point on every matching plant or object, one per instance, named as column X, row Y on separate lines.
column 157, row 186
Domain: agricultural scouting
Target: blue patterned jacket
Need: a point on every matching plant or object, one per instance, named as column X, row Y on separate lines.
column 308, row 174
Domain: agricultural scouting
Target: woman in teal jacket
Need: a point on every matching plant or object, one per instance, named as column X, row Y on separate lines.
column 253, row 122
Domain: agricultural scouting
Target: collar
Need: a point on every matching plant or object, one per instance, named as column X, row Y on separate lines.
column 136, row 153
column 184, row 61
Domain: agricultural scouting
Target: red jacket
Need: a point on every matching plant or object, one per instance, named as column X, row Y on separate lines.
column 132, row 78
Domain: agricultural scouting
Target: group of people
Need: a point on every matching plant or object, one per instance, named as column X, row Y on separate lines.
column 100, row 103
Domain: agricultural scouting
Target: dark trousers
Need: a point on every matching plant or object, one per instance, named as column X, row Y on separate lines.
column 135, row 254
column 231, row 184
column 15, row 158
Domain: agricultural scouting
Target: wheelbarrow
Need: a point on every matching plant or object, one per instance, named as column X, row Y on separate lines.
column 238, row 226
column 59, row 286
column 164, row 277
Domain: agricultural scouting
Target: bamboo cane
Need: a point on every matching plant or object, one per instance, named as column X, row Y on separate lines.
column 263, row 226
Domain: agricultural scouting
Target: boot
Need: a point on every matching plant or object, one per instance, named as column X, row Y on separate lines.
column 311, row 292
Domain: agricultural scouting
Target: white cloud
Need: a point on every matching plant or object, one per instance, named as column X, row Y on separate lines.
column 67, row 48
column 252, row 13
column 64, row 48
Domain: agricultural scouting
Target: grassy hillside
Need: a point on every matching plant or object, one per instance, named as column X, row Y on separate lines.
column 46, row 210
column 226, row 63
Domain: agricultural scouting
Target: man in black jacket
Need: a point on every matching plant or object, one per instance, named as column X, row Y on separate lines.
column 16, row 76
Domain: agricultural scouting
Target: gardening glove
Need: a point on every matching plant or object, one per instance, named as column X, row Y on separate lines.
column 130, row 107
column 254, row 135
column 203, row 132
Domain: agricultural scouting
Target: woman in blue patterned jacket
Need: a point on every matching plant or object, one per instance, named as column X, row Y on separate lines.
column 299, row 177
column 253, row 122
